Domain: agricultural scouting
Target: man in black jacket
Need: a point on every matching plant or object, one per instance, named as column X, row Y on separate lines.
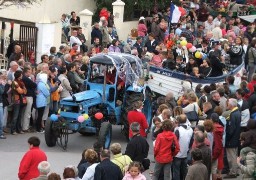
column 107, row 170
column 71, row 77
column 96, row 33
column 31, row 89
column 232, row 136
column 137, row 149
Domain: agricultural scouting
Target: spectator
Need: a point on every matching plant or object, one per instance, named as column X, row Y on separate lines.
column 71, row 77
column 151, row 43
column 106, row 169
column 2, row 84
column 96, row 33
column 208, row 126
column 69, row 173
column 251, row 59
column 29, row 164
column 137, row 148
column 232, row 136
column 138, row 46
column 199, row 139
column 114, row 46
column 190, row 65
column 244, row 109
column 74, row 20
column 137, row 116
column 209, row 24
column 192, row 106
column 207, row 110
column 134, row 172
column 184, row 135
column 18, row 91
column 54, row 176
column 105, row 35
column 215, row 99
column 13, row 68
column 205, row 69
column 187, row 33
column 17, row 52
column 166, row 147
column 44, row 169
column 81, row 37
column 74, row 39
column 65, row 24
column 61, row 51
column 67, row 89
column 217, row 32
column 74, row 49
column 41, row 100
column 122, row 161
column 30, row 96
column 142, row 28
column 91, row 157
column 198, row 171
column 217, row 151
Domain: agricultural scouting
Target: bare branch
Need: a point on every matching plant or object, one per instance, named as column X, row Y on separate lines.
column 22, row 3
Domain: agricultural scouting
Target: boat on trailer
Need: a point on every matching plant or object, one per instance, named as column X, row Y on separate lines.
column 163, row 81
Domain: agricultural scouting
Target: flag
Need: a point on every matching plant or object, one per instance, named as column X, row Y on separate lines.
column 174, row 14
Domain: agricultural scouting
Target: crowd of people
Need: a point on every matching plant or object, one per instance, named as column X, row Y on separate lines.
column 211, row 128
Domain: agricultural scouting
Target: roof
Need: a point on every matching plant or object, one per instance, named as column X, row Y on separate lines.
column 113, row 58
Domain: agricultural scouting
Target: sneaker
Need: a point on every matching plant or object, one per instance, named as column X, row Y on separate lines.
column 21, row 132
column 2, row 137
column 41, row 131
column 14, row 133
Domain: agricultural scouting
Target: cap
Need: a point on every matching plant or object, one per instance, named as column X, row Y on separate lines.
column 142, row 18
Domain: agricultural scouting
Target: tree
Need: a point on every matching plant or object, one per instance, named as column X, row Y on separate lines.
column 22, row 3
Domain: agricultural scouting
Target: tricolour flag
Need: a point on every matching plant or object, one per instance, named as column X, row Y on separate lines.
column 174, row 14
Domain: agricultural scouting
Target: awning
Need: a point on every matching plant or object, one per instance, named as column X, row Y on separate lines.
column 249, row 18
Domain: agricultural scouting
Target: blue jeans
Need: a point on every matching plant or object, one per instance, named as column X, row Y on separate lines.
column 166, row 168
column 1, row 118
column 16, row 118
column 179, row 168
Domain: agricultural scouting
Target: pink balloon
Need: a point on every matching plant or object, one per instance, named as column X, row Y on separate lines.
column 192, row 49
column 80, row 119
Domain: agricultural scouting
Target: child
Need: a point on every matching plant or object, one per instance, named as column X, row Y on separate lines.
column 195, row 72
column 134, row 172
column 180, row 65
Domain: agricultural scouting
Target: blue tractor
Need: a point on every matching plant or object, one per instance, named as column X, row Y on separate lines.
column 104, row 96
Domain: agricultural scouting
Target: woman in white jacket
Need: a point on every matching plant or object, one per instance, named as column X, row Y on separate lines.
column 91, row 157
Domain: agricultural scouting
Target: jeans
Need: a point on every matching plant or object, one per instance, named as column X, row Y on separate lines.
column 179, row 168
column 252, row 68
column 46, row 112
column 16, row 118
column 40, row 113
column 166, row 168
column 54, row 107
column 1, row 118
column 27, row 113
column 232, row 156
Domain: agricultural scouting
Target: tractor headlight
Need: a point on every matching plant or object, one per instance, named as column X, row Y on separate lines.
column 80, row 107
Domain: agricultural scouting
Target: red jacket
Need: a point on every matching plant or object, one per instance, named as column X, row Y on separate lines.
column 139, row 117
column 163, row 151
column 28, row 165
column 217, row 141
column 250, row 86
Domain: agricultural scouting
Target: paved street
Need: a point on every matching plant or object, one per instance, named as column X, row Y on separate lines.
column 13, row 148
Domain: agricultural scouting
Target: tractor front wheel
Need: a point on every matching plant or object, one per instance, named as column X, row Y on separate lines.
column 49, row 135
column 105, row 134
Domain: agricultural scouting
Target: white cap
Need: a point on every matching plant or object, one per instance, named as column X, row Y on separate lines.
column 142, row 18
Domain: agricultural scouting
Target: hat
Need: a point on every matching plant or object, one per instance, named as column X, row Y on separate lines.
column 215, row 117
column 214, row 43
column 142, row 18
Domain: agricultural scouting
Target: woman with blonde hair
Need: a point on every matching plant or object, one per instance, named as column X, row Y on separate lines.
column 85, row 65
column 91, row 157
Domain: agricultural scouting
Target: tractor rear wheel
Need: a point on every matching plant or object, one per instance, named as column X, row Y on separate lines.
column 49, row 135
column 105, row 134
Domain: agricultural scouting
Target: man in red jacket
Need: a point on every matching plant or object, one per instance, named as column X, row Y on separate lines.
column 29, row 163
column 137, row 115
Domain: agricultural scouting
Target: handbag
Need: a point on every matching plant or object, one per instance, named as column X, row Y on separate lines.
column 192, row 115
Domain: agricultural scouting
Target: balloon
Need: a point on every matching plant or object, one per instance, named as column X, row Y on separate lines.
column 201, row 55
column 204, row 56
column 192, row 49
column 53, row 117
column 183, row 43
column 80, row 119
column 189, row 45
column 98, row 115
column 197, row 54
column 86, row 117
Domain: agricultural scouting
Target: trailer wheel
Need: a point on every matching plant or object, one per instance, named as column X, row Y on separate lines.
column 105, row 134
column 49, row 135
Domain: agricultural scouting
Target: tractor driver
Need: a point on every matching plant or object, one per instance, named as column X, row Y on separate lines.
column 110, row 79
